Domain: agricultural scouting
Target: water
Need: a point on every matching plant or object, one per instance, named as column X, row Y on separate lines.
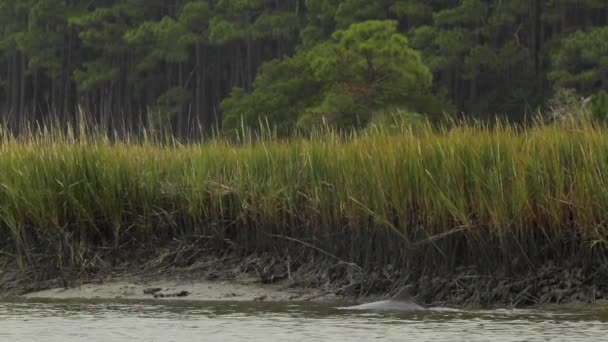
column 226, row 321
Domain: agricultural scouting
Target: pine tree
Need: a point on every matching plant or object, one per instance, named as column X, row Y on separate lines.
column 172, row 62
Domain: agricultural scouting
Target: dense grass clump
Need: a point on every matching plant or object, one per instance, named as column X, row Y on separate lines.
column 424, row 198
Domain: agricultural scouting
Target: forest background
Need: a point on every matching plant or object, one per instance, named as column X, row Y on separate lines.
column 200, row 65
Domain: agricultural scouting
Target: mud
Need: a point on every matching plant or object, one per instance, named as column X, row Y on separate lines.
column 311, row 278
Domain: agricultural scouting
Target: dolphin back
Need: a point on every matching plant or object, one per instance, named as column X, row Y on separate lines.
column 402, row 301
column 387, row 305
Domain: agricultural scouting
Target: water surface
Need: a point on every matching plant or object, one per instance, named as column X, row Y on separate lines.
column 229, row 321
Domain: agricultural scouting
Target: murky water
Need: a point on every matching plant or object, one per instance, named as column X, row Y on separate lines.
column 225, row 321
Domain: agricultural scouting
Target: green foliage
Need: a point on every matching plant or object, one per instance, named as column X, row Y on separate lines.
column 355, row 11
column 42, row 42
column 168, row 41
column 195, row 15
column 599, row 106
column 581, row 61
column 362, row 69
column 102, row 30
column 412, row 10
column 320, row 21
column 104, row 27
column 486, row 57
column 443, row 48
column 480, row 44
column 10, row 13
column 278, row 96
column 173, row 99
column 468, row 12
column 276, row 25
column 94, row 74
column 222, row 31
column 167, row 106
column 247, row 20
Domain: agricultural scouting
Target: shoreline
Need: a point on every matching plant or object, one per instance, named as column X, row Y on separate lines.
column 163, row 288
column 240, row 279
column 210, row 279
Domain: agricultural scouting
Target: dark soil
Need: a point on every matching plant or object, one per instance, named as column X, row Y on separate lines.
column 306, row 268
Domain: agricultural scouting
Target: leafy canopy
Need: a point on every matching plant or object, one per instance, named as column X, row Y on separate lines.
column 581, row 62
column 362, row 69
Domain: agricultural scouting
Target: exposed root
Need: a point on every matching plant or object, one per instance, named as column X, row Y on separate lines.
column 307, row 268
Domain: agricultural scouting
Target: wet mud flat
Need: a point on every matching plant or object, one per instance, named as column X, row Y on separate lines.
column 267, row 277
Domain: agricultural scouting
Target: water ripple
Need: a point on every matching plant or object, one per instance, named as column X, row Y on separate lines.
column 217, row 321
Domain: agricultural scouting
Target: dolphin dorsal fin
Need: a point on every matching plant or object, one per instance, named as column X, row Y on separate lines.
column 405, row 294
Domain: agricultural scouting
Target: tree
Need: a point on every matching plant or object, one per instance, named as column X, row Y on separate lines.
column 121, row 60
column 581, row 61
column 249, row 22
column 320, row 21
column 42, row 41
column 282, row 90
column 166, row 42
column 478, row 54
column 104, row 78
column 350, row 12
column 364, row 68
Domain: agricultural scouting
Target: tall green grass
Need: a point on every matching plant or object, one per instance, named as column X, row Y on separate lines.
column 430, row 199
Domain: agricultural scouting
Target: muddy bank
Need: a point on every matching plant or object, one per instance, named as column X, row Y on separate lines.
column 311, row 278
column 179, row 288
column 212, row 279
column 549, row 284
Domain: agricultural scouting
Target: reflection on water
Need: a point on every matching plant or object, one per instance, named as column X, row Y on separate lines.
column 227, row 321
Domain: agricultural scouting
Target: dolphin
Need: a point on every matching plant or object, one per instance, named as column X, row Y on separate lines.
column 402, row 301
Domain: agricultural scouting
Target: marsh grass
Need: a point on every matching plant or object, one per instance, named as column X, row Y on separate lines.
column 426, row 198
